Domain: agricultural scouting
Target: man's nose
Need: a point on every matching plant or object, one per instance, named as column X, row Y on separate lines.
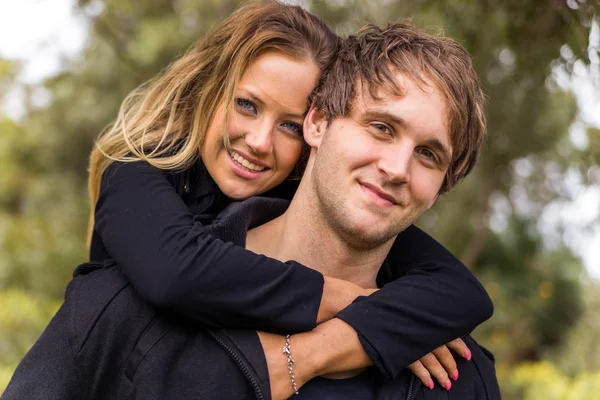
column 396, row 163
column 259, row 137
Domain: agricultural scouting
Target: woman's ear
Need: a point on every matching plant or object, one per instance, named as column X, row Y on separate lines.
column 315, row 125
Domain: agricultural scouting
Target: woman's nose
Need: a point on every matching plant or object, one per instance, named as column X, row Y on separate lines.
column 259, row 138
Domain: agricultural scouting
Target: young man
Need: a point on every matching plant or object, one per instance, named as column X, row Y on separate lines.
column 397, row 121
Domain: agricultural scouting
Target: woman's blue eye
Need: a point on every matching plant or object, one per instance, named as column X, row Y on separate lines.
column 245, row 104
column 293, row 127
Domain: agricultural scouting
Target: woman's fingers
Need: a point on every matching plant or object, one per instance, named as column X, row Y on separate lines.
column 440, row 364
column 459, row 346
column 421, row 372
column 435, row 363
column 446, row 359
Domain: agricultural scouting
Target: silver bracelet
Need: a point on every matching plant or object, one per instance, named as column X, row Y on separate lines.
column 288, row 353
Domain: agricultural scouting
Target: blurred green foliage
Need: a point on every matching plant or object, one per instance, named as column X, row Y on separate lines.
column 22, row 317
column 544, row 381
column 547, row 322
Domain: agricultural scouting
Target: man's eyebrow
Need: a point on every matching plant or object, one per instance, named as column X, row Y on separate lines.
column 384, row 116
column 254, row 97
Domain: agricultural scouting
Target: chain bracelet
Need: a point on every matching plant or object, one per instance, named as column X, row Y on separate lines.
column 290, row 361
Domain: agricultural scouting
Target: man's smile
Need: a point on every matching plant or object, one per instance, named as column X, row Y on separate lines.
column 378, row 195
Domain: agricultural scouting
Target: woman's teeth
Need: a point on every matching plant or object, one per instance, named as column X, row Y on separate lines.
column 245, row 163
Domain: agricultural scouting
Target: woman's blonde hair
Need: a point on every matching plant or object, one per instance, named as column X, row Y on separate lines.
column 164, row 122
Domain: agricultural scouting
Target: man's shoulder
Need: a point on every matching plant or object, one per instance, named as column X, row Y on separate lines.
column 99, row 296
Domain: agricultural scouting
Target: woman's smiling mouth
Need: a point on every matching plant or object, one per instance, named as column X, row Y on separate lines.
column 244, row 162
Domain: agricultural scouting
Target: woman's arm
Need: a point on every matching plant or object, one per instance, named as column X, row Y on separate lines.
column 173, row 264
column 333, row 348
column 435, row 300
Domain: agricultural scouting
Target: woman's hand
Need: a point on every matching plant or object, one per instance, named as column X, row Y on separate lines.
column 440, row 364
column 331, row 348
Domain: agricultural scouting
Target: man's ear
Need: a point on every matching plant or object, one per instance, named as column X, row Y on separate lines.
column 315, row 125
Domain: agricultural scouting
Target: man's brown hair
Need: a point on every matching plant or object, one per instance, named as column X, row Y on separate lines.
column 373, row 56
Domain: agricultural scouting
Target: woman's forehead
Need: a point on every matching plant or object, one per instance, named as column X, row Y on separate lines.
column 279, row 78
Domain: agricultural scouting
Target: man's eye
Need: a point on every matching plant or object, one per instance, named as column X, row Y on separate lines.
column 381, row 127
column 245, row 105
column 293, row 127
column 430, row 155
column 380, row 130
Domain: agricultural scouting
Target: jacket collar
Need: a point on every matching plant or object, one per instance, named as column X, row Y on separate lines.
column 234, row 222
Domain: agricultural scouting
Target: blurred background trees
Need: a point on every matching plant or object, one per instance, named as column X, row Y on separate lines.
column 540, row 152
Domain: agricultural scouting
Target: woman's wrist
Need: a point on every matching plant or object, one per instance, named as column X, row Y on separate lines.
column 337, row 295
column 332, row 347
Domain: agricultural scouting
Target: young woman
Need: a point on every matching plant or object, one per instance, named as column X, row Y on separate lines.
column 224, row 123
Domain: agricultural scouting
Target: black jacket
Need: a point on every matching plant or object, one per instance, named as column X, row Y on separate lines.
column 152, row 223
column 106, row 343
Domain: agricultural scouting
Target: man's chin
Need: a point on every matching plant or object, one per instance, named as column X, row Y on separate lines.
column 367, row 236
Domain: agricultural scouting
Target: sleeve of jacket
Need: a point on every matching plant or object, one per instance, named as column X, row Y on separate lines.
column 173, row 264
column 435, row 300
column 48, row 370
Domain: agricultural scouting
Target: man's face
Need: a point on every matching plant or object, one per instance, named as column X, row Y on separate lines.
column 378, row 169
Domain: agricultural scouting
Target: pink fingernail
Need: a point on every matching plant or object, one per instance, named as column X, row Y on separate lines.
column 448, row 385
column 430, row 384
column 455, row 376
column 468, row 354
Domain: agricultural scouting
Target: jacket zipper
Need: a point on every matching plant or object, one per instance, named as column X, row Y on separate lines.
column 410, row 388
column 240, row 362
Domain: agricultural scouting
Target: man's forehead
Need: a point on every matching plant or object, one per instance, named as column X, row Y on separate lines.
column 371, row 92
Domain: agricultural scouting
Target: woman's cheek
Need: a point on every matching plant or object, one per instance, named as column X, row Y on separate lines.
column 287, row 158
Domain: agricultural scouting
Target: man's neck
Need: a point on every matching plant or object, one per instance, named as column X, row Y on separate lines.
column 302, row 234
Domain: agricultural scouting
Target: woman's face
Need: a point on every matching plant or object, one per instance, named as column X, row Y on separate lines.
column 264, row 126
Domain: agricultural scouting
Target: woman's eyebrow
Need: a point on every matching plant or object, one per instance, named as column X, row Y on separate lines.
column 256, row 98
